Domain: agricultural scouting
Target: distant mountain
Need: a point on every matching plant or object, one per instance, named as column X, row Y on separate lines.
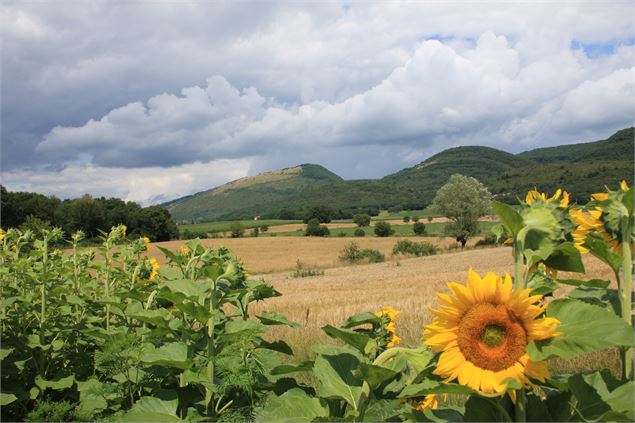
column 582, row 169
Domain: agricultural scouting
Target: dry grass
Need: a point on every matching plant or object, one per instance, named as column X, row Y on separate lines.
column 409, row 285
column 267, row 255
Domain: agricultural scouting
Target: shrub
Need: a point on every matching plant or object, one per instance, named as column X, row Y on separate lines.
column 361, row 219
column 313, row 228
column 303, row 270
column 264, row 228
column 419, row 228
column 341, row 234
column 415, row 219
column 406, row 219
column 383, row 229
column 488, row 240
column 255, row 232
column 430, row 218
column 359, row 232
column 408, row 248
column 236, row 229
column 353, row 254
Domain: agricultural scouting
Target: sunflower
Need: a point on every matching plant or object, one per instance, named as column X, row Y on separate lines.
column 1, row 235
column 155, row 268
column 428, row 402
column 184, row 250
column 147, row 241
column 534, row 195
column 482, row 331
column 391, row 314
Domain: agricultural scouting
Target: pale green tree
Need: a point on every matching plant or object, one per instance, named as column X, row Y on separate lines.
column 463, row 200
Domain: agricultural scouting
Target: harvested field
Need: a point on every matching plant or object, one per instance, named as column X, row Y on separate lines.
column 409, row 287
column 266, row 255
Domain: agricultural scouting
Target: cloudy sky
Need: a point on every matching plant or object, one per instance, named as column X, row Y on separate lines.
column 151, row 100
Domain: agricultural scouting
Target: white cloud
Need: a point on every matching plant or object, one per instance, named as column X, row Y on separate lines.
column 145, row 186
column 103, row 83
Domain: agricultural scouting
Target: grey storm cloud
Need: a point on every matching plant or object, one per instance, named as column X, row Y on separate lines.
column 215, row 91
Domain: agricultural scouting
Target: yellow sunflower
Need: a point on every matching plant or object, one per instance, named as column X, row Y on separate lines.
column 155, row 267
column 184, row 250
column 428, row 402
column 391, row 327
column 1, row 235
column 534, row 195
column 147, row 242
column 482, row 331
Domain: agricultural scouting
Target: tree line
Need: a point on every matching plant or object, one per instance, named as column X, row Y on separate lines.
column 30, row 210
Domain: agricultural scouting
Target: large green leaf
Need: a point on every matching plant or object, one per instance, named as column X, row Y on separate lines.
column 608, row 298
column 428, row 387
column 585, row 328
column 151, row 409
column 361, row 319
column 601, row 398
column 293, row 406
column 283, row 369
column 509, row 217
column 566, row 257
column 273, row 318
column 244, row 327
column 359, row 341
column 6, row 399
column 385, row 410
column 600, row 249
column 174, row 354
column 57, row 385
column 479, row 409
column 591, row 283
column 189, row 288
column 375, row 375
column 336, row 376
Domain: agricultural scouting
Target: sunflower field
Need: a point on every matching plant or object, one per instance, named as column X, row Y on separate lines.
column 109, row 335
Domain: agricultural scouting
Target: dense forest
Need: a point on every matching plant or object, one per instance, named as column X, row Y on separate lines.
column 33, row 211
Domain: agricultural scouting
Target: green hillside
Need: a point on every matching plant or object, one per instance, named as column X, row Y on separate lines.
column 582, row 169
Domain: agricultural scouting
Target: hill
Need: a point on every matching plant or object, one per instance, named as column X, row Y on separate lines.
column 581, row 168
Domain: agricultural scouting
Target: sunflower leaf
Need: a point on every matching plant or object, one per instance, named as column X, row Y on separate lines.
column 510, row 218
column 600, row 249
column 578, row 336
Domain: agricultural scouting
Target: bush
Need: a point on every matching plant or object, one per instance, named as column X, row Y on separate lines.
column 419, row 228
column 415, row 219
column 361, row 219
column 255, row 232
column 303, row 270
column 264, row 228
column 359, row 232
column 313, row 228
column 383, row 229
column 418, row 249
column 341, row 234
column 406, row 219
column 236, row 229
column 430, row 218
column 487, row 241
column 353, row 254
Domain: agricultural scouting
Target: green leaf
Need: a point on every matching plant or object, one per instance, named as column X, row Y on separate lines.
column 375, row 375
column 600, row 249
column 567, row 258
column 240, row 327
column 151, row 409
column 599, row 398
column 361, row 319
column 428, row 387
column 280, row 346
column 558, row 405
column 175, row 354
column 195, row 310
column 537, row 410
column 509, row 217
column 56, row 385
column 592, row 283
column 191, row 289
column 479, row 409
column 384, row 410
column 336, row 377
column 5, row 352
column 603, row 297
column 273, row 318
column 585, row 328
column 284, row 369
column 356, row 340
column 293, row 406
column 6, row 399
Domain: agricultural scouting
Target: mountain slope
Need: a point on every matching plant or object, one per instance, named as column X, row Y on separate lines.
column 582, row 169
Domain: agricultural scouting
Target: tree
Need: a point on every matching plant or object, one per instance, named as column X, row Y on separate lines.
column 383, row 229
column 323, row 214
column 236, row 229
column 361, row 219
column 313, row 228
column 463, row 200
column 419, row 228
column 406, row 219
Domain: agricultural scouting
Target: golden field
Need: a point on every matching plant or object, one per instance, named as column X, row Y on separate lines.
column 409, row 285
column 268, row 255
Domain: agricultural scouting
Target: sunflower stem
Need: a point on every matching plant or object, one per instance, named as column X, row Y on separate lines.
column 519, row 280
column 521, row 406
column 626, row 295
